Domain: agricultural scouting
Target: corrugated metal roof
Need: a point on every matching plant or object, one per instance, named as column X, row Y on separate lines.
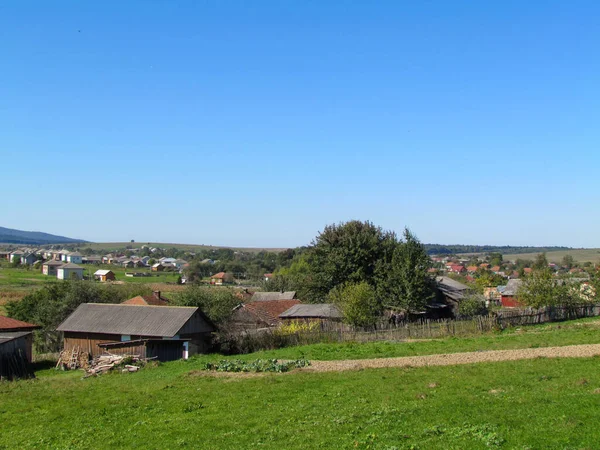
column 135, row 320
column 317, row 311
column 6, row 337
column 452, row 288
column 102, row 272
column 270, row 296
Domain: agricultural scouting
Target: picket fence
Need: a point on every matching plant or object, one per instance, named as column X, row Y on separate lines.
column 423, row 329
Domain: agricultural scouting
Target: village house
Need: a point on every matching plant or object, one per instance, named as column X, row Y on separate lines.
column 221, row 278
column 27, row 259
column 69, row 271
column 163, row 332
column 50, row 267
column 263, row 310
column 75, row 258
column 15, row 256
column 91, row 260
column 508, row 295
column 456, row 268
column 104, row 275
column 158, row 267
column 318, row 312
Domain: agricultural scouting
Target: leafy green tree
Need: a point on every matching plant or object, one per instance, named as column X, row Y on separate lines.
column 568, row 262
column 541, row 289
column 496, row 259
column 346, row 253
column 541, row 262
column 216, row 302
column 404, row 283
column 358, row 303
column 472, row 306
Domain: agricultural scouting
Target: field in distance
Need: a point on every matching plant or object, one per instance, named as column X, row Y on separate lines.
column 111, row 246
column 580, row 255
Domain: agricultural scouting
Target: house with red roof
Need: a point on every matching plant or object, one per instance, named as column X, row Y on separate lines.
column 221, row 278
column 148, row 300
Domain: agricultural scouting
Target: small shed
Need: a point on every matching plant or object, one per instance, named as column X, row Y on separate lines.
column 260, row 314
column 104, row 275
column 135, row 328
column 451, row 292
column 313, row 312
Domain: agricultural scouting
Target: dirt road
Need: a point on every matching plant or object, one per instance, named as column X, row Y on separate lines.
column 571, row 351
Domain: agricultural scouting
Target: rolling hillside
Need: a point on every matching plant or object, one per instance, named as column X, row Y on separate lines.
column 12, row 236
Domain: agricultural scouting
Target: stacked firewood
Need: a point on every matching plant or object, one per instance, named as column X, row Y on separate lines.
column 106, row 363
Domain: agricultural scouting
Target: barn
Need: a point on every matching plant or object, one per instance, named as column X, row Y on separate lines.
column 104, row 275
column 164, row 332
column 16, row 341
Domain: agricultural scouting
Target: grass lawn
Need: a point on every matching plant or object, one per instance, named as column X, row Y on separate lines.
column 542, row 403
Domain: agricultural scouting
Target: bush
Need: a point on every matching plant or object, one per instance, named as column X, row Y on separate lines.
column 358, row 303
column 471, row 307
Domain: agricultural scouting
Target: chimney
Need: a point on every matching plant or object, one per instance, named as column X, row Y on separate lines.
column 156, row 294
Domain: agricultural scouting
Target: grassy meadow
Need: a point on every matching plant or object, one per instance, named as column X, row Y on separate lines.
column 539, row 403
column 580, row 255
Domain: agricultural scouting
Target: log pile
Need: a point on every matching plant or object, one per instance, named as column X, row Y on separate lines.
column 108, row 362
column 73, row 359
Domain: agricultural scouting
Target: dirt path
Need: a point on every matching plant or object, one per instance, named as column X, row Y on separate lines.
column 571, row 351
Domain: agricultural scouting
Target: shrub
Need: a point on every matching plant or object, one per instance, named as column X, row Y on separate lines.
column 471, row 307
column 257, row 365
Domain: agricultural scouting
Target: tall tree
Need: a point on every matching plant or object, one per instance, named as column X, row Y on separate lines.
column 541, row 262
column 346, row 253
column 404, row 283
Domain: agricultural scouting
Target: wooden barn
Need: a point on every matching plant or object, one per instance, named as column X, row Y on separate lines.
column 508, row 296
column 260, row 313
column 12, row 327
column 165, row 332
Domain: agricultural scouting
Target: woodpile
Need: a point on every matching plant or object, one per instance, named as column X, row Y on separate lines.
column 76, row 359
column 106, row 363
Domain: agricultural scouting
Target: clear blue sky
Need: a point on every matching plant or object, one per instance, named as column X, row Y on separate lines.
column 258, row 123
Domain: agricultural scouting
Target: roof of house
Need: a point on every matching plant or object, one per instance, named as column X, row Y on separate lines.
column 8, row 324
column 219, row 275
column 452, row 288
column 102, row 272
column 472, row 268
column 75, row 254
column 53, row 263
column 512, row 287
column 152, row 300
column 268, row 311
column 270, row 296
column 164, row 321
column 71, row 266
column 317, row 311
column 10, row 336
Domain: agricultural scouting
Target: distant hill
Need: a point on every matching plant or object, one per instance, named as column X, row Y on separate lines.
column 437, row 249
column 10, row 236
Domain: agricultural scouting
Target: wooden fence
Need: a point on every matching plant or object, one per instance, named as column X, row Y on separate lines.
column 423, row 329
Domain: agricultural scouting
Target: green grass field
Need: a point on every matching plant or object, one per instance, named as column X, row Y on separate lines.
column 541, row 403
column 579, row 255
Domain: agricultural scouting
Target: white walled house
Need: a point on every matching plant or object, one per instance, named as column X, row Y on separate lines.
column 50, row 268
column 69, row 271
column 75, row 258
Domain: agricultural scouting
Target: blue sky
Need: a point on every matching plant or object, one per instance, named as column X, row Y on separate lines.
column 258, row 123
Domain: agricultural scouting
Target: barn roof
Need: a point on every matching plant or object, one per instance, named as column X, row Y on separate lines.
column 317, row 311
column 6, row 337
column 452, row 288
column 512, row 287
column 270, row 296
column 164, row 321
column 8, row 324
column 268, row 311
